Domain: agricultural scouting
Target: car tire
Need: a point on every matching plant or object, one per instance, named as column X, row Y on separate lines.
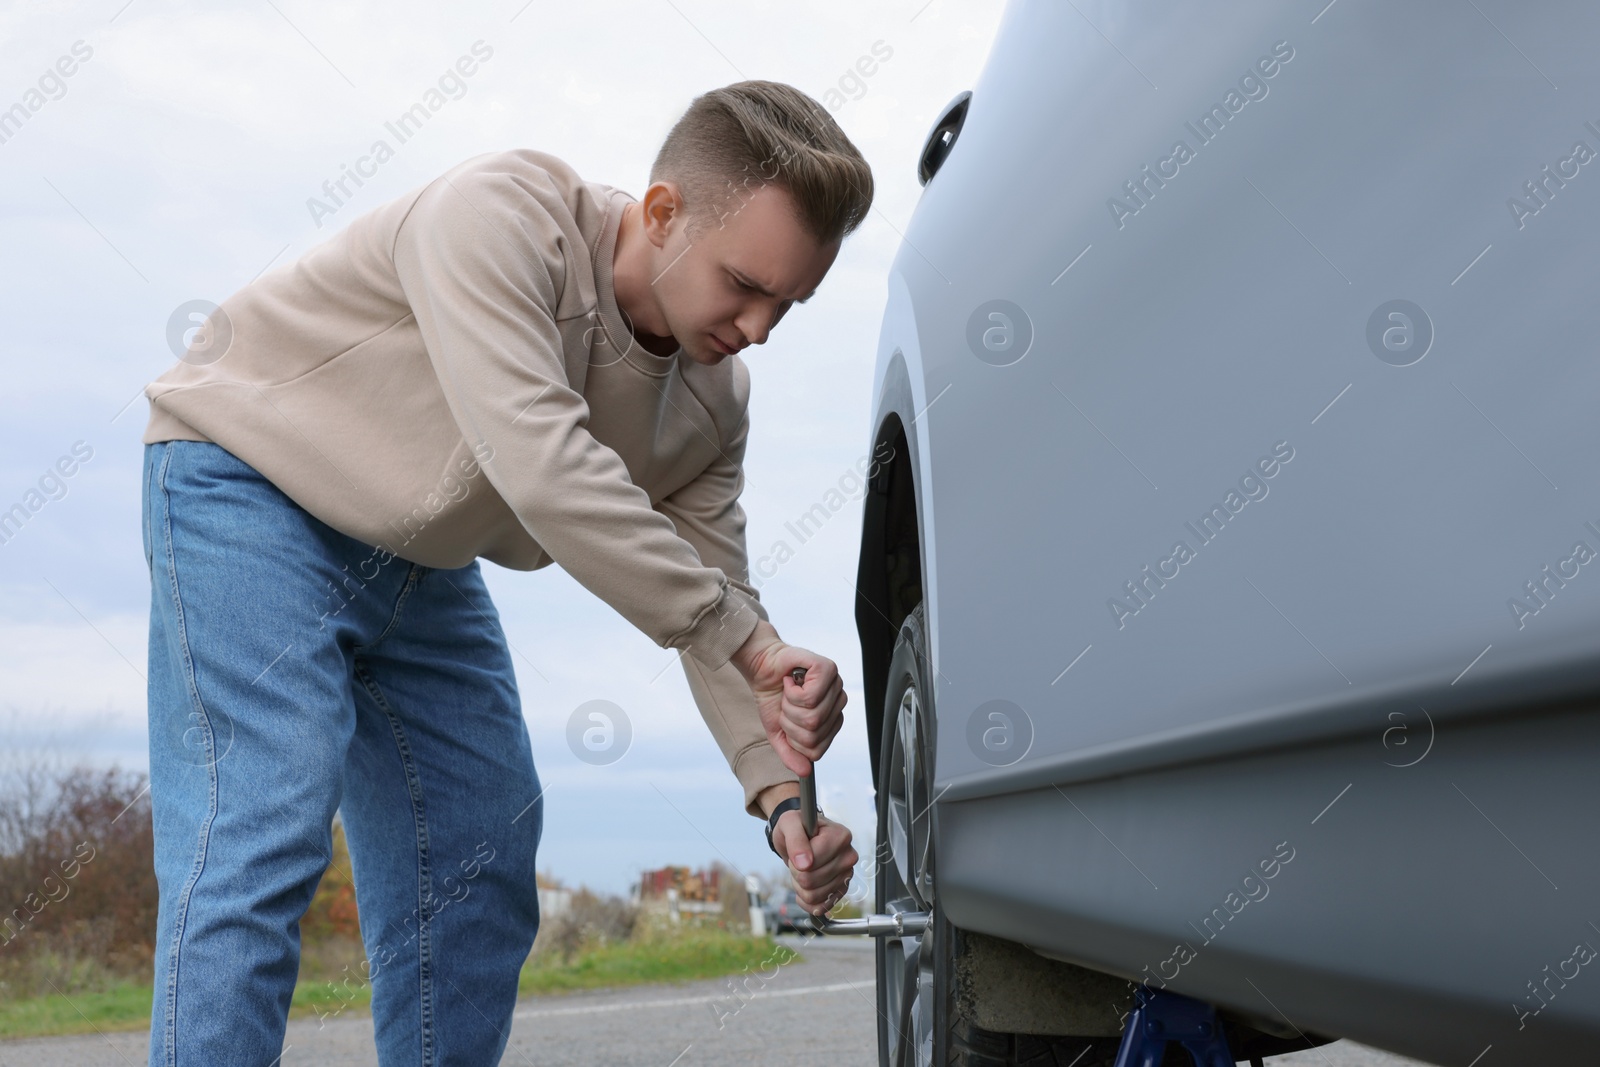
column 920, row 1021
column 914, row 975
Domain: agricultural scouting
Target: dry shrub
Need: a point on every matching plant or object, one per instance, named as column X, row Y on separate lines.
column 77, row 878
column 735, row 900
column 593, row 919
column 78, row 885
column 330, row 931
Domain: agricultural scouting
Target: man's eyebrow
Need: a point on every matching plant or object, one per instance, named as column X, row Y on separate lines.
column 763, row 289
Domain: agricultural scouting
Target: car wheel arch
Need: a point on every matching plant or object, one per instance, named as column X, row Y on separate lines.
column 891, row 570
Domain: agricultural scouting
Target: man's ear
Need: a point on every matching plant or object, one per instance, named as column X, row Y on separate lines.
column 664, row 212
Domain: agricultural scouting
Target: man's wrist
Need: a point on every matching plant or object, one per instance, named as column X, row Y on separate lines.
column 773, row 795
column 763, row 636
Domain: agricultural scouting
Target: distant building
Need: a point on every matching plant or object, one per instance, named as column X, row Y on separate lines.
column 701, row 886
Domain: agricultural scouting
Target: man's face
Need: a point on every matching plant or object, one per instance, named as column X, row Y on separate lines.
column 748, row 262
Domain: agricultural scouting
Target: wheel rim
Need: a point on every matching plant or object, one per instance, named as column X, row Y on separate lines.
column 905, row 883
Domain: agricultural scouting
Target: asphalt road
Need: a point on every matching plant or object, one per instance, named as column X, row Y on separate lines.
column 816, row 1012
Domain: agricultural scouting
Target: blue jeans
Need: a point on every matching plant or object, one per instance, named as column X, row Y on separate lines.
column 295, row 671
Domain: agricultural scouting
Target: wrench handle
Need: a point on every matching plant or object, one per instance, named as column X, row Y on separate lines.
column 808, row 802
column 808, row 784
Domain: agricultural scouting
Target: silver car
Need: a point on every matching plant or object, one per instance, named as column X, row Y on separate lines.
column 1230, row 614
column 782, row 911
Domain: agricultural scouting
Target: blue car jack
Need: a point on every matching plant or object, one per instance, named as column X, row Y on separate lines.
column 1160, row 1018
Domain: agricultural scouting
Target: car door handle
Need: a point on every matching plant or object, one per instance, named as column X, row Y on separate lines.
column 943, row 136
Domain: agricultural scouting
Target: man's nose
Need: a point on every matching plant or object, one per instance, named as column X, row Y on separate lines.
column 755, row 325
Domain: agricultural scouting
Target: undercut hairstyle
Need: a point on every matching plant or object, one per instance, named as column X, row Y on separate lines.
column 733, row 140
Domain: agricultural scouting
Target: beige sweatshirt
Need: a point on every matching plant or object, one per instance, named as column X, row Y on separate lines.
column 450, row 377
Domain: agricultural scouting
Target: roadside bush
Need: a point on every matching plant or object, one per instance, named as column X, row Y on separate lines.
column 332, row 914
column 77, row 878
column 734, row 899
column 78, row 885
column 330, row 931
column 592, row 919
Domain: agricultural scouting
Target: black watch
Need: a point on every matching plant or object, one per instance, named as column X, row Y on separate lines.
column 772, row 820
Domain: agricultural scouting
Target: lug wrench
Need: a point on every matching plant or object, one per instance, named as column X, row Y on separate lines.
column 898, row 924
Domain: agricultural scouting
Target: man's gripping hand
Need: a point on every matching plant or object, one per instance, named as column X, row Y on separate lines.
column 822, row 866
column 801, row 719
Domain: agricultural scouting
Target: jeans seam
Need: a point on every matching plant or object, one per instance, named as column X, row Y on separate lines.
column 180, row 917
column 424, row 868
column 413, row 576
column 144, row 510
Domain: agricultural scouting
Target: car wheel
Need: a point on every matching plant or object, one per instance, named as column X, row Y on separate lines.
column 913, row 988
column 920, row 1023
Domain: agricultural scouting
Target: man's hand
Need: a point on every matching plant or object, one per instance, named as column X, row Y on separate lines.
column 821, row 866
column 801, row 719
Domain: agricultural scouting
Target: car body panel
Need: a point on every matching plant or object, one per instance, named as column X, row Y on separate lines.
column 1354, row 609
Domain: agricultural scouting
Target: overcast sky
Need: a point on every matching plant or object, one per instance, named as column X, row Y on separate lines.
column 176, row 163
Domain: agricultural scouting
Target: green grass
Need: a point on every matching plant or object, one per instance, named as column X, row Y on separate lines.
column 329, row 1000
column 679, row 957
column 124, row 1006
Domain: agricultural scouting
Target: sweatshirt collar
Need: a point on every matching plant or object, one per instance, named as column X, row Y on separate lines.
column 618, row 333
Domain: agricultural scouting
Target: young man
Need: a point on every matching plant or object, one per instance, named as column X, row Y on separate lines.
column 508, row 363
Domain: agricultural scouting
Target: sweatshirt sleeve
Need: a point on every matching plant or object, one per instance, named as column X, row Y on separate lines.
column 474, row 257
column 707, row 514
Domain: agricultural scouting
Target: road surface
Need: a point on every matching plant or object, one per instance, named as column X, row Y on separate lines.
column 818, row 1012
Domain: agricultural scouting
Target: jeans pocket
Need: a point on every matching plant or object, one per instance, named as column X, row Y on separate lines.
column 144, row 506
column 155, row 458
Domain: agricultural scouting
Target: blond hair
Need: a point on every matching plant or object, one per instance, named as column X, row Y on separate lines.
column 755, row 133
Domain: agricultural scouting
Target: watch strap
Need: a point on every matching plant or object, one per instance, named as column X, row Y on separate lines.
column 791, row 804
